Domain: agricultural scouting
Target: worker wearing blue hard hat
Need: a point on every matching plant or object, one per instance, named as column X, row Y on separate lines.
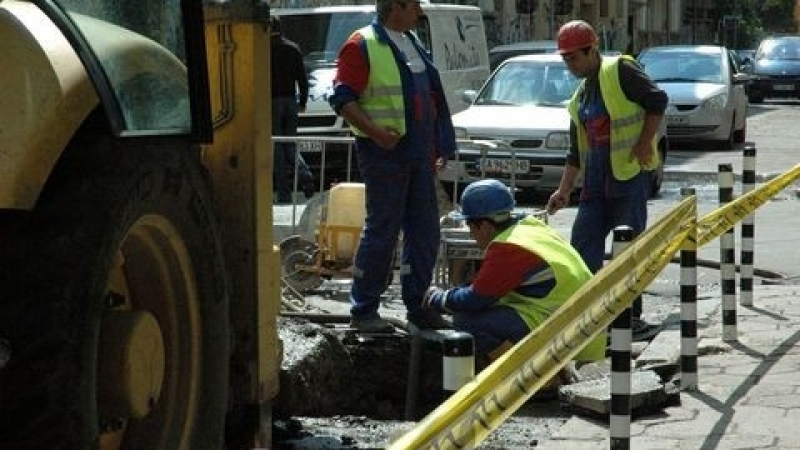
column 527, row 273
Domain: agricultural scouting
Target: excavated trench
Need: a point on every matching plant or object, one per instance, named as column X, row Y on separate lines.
column 328, row 370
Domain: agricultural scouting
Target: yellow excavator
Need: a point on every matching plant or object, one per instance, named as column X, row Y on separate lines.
column 139, row 283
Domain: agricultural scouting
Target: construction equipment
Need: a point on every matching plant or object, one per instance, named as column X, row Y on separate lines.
column 340, row 216
column 139, row 289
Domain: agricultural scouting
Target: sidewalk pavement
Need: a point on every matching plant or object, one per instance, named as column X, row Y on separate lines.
column 748, row 394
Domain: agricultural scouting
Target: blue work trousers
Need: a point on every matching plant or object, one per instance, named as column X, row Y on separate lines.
column 400, row 195
column 491, row 327
column 284, row 123
column 598, row 216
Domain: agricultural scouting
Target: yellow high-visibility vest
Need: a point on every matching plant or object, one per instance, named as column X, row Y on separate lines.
column 382, row 100
column 565, row 264
column 627, row 120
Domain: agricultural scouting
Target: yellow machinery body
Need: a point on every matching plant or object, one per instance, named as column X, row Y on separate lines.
column 132, row 317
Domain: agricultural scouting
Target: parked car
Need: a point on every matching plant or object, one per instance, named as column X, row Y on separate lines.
column 744, row 58
column 501, row 53
column 776, row 69
column 707, row 99
column 517, row 127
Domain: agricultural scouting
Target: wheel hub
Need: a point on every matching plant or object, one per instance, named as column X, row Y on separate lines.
column 131, row 364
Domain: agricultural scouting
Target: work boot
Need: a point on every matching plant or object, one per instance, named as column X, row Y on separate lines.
column 371, row 325
column 426, row 319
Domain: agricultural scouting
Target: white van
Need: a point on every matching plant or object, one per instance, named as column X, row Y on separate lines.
column 453, row 34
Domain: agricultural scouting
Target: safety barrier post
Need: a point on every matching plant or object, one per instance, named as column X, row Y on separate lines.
column 689, row 307
column 748, row 229
column 458, row 362
column 620, row 418
column 727, row 250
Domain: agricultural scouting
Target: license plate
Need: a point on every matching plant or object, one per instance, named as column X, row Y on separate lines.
column 783, row 87
column 310, row 146
column 676, row 120
column 502, row 165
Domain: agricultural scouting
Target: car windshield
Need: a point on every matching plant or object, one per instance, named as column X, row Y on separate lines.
column 529, row 83
column 780, row 49
column 682, row 67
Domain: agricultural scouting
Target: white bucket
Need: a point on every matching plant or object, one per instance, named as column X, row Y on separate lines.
column 345, row 219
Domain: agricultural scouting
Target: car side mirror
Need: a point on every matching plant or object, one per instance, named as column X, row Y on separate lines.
column 741, row 78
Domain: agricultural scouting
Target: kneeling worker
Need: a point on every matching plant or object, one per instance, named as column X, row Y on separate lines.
column 527, row 273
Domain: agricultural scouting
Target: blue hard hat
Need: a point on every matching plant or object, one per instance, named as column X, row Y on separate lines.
column 489, row 199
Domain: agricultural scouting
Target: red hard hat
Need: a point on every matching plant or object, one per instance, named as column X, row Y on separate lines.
column 575, row 35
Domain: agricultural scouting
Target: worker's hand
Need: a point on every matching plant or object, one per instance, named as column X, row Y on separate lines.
column 643, row 153
column 441, row 164
column 557, row 200
column 434, row 298
column 387, row 138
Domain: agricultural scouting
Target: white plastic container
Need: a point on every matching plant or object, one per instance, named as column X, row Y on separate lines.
column 345, row 219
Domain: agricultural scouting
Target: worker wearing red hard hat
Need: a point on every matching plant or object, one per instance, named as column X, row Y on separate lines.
column 615, row 116
column 575, row 35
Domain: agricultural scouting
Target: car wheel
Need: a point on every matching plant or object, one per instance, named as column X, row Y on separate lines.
column 728, row 143
column 755, row 97
column 740, row 135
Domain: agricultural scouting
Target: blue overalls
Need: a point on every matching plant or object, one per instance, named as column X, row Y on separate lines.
column 605, row 202
column 400, row 195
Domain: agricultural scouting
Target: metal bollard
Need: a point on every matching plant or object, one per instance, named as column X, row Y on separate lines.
column 458, row 361
column 748, row 229
column 620, row 419
column 727, row 248
column 689, row 307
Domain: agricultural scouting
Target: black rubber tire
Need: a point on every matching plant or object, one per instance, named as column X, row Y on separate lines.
column 106, row 200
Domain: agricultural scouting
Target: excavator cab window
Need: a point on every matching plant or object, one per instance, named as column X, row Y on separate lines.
column 146, row 59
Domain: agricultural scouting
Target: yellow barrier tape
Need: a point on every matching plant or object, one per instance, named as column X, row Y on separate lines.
column 723, row 218
column 467, row 417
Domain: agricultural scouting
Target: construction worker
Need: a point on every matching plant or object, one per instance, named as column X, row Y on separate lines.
column 289, row 97
column 388, row 90
column 616, row 113
column 527, row 273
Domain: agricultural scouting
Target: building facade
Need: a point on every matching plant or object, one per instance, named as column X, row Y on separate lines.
column 623, row 25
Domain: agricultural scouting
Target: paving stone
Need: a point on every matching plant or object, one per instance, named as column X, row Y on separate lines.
column 648, row 393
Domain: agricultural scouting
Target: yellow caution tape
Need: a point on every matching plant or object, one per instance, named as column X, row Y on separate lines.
column 467, row 417
column 725, row 217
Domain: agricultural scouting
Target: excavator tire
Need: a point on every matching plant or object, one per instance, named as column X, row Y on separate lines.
column 114, row 302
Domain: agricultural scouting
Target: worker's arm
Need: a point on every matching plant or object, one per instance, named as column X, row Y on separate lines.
column 504, row 269
column 560, row 197
column 383, row 136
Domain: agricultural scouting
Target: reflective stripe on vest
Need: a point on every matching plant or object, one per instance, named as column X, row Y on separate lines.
column 565, row 265
column 382, row 100
column 627, row 120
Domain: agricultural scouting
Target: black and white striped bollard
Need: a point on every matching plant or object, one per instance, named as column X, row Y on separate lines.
column 748, row 229
column 621, row 338
column 689, row 307
column 458, row 361
column 727, row 249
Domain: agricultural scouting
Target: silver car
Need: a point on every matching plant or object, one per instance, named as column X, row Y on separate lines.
column 517, row 127
column 707, row 98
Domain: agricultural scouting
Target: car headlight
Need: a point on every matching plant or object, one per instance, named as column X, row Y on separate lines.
column 716, row 102
column 558, row 139
column 461, row 133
